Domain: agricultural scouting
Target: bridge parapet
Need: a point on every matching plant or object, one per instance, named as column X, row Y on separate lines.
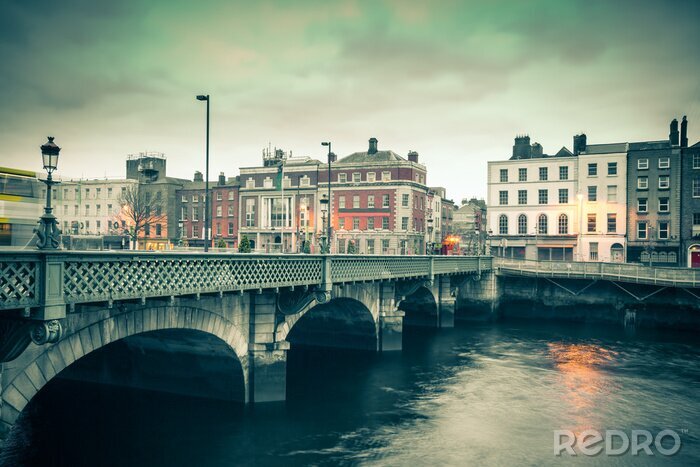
column 27, row 277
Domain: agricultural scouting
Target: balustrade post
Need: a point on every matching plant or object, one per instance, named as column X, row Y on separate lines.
column 52, row 304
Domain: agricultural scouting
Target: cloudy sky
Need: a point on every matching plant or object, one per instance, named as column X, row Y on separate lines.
column 453, row 80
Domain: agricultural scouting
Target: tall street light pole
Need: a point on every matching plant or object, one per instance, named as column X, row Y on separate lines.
column 328, row 225
column 207, row 219
column 48, row 232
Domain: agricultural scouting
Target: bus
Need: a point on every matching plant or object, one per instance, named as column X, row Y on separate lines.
column 20, row 206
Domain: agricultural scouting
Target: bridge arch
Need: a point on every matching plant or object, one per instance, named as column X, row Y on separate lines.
column 53, row 359
column 348, row 320
column 421, row 307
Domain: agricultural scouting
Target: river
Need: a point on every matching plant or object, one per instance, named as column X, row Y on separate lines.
column 474, row 395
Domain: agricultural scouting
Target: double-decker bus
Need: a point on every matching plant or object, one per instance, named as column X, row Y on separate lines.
column 20, row 206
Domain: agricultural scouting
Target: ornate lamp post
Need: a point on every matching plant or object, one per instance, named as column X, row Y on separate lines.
column 48, row 231
column 487, row 245
column 430, row 236
column 207, row 220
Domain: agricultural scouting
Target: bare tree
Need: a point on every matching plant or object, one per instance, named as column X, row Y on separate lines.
column 140, row 210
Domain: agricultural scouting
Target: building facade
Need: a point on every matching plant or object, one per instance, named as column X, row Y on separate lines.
column 690, row 200
column 532, row 203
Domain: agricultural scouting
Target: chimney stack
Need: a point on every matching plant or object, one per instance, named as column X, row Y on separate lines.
column 413, row 156
column 673, row 135
column 579, row 144
column 198, row 176
column 522, row 148
column 222, row 178
column 372, row 146
column 684, row 132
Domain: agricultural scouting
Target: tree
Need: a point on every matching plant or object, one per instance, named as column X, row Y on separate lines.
column 244, row 246
column 221, row 243
column 140, row 211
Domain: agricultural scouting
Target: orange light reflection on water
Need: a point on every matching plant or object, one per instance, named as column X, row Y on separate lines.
column 584, row 385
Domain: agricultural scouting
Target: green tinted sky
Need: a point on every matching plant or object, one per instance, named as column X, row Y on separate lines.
column 454, row 80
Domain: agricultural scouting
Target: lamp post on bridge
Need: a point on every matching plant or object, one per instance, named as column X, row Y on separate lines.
column 207, row 220
column 328, row 201
column 48, row 231
column 323, row 238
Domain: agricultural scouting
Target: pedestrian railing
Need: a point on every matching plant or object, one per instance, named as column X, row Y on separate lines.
column 621, row 272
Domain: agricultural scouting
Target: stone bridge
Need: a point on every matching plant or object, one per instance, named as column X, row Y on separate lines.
column 211, row 325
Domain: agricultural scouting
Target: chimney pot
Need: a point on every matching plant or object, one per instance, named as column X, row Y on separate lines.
column 372, row 146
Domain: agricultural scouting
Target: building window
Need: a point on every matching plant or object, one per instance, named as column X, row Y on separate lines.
column 371, row 177
column 98, row 209
column 184, row 198
column 663, row 205
column 230, row 195
column 195, row 233
column 522, row 196
column 385, row 223
column 542, row 196
column 696, row 218
column 109, row 192
column 612, row 193
column 404, row 200
column 341, row 223
column 87, row 209
column 250, row 212
column 385, row 246
column 641, row 230
column 183, row 213
column 612, row 222
column 642, row 205
column 385, row 201
column 696, row 187
column 663, row 182
column 663, row 230
column 195, row 214
column 230, row 229
column 642, row 183
column 642, row 164
column 563, row 224
column 97, row 223
column 503, row 224
column 219, row 211
column 219, row 195
column 356, row 202
column 612, row 168
column 593, row 251
column 356, row 177
column 230, row 211
column 386, row 176
column 563, row 172
column 504, row 175
column 522, row 224
column 503, row 198
column 370, row 223
column 664, row 162
column 342, row 178
column 696, row 161
column 591, row 226
column 370, row 246
column 341, row 246
column 356, row 223
column 404, row 223
column 543, row 174
column 370, row 201
column 592, row 170
column 542, row 224
column 592, row 193
column 563, row 195
column 522, row 175
column 341, row 202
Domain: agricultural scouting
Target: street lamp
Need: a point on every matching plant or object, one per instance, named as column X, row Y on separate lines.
column 487, row 244
column 324, row 208
column 48, row 231
column 430, row 236
column 328, row 225
column 207, row 219
column 580, row 225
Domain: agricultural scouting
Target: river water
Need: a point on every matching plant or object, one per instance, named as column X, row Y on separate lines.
column 473, row 395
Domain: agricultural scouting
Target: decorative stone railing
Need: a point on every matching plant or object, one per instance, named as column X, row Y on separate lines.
column 50, row 281
column 620, row 272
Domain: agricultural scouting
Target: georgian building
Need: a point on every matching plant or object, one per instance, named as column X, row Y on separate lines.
column 378, row 202
column 532, row 203
column 690, row 200
column 223, row 198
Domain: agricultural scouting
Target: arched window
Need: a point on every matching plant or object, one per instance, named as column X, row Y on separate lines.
column 672, row 257
column 522, row 224
column 654, row 257
column 663, row 257
column 503, row 224
column 644, row 257
column 563, row 224
column 542, row 224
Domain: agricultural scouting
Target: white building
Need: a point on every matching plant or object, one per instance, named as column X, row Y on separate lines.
column 602, row 187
